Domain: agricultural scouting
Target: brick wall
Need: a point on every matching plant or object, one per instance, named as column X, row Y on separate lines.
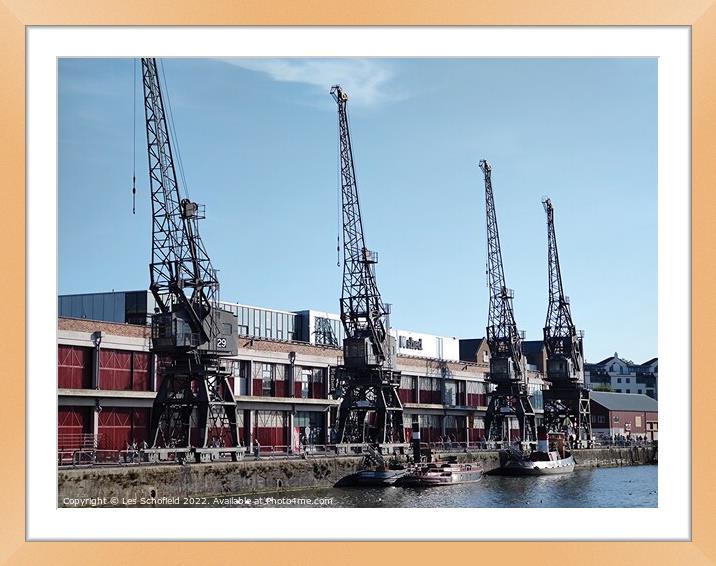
column 84, row 325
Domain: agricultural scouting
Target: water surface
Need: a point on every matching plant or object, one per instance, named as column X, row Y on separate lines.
column 631, row 486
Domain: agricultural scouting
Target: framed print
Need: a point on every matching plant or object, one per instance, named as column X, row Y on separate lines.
column 609, row 118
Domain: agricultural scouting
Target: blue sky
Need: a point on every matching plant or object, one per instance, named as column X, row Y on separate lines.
column 258, row 143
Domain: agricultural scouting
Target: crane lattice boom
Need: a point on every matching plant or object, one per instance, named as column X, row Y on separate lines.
column 563, row 344
column 503, row 337
column 179, row 259
column 362, row 310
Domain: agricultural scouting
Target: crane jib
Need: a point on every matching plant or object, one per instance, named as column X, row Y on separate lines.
column 361, row 304
column 502, row 334
column 562, row 342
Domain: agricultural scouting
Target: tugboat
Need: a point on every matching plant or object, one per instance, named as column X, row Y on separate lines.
column 549, row 458
column 436, row 473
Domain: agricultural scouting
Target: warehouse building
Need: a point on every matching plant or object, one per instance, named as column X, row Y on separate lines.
column 281, row 377
column 631, row 416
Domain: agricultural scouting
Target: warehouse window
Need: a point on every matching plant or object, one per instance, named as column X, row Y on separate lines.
column 305, row 380
column 279, row 326
column 637, row 421
column 242, row 371
column 269, row 326
column 267, row 379
column 450, row 397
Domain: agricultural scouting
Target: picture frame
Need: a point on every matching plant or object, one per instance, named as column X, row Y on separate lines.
column 699, row 16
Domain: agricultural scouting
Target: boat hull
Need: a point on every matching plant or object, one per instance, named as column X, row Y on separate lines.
column 539, row 468
column 440, row 477
column 367, row 478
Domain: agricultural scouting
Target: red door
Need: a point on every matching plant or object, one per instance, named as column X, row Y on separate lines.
column 72, row 424
column 115, row 370
column 74, row 367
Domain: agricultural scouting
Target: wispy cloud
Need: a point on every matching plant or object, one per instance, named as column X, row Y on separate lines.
column 366, row 81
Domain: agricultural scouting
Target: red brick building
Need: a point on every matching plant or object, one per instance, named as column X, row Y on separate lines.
column 107, row 380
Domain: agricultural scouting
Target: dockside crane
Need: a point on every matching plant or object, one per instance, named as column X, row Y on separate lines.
column 566, row 402
column 508, row 367
column 367, row 379
column 194, row 413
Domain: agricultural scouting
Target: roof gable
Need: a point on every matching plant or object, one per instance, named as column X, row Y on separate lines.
column 614, row 358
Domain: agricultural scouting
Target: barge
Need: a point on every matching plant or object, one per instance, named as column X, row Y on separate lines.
column 379, row 477
column 435, row 474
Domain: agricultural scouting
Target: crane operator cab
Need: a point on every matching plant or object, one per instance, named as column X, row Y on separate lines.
column 503, row 370
column 174, row 330
column 560, row 369
column 360, row 352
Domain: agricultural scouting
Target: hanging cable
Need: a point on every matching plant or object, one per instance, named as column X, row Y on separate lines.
column 172, row 132
column 134, row 137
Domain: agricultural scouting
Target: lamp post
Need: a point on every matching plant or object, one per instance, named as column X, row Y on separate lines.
column 292, row 414
column 97, row 341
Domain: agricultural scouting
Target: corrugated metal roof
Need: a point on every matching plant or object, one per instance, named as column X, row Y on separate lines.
column 624, row 401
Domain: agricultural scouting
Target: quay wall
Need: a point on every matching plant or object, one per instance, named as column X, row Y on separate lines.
column 616, row 456
column 261, row 476
column 211, row 479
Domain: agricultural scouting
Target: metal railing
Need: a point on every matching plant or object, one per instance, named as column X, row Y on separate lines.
column 138, row 456
column 87, row 457
column 77, row 441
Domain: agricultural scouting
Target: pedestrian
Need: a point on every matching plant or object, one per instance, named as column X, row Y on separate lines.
column 257, row 449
